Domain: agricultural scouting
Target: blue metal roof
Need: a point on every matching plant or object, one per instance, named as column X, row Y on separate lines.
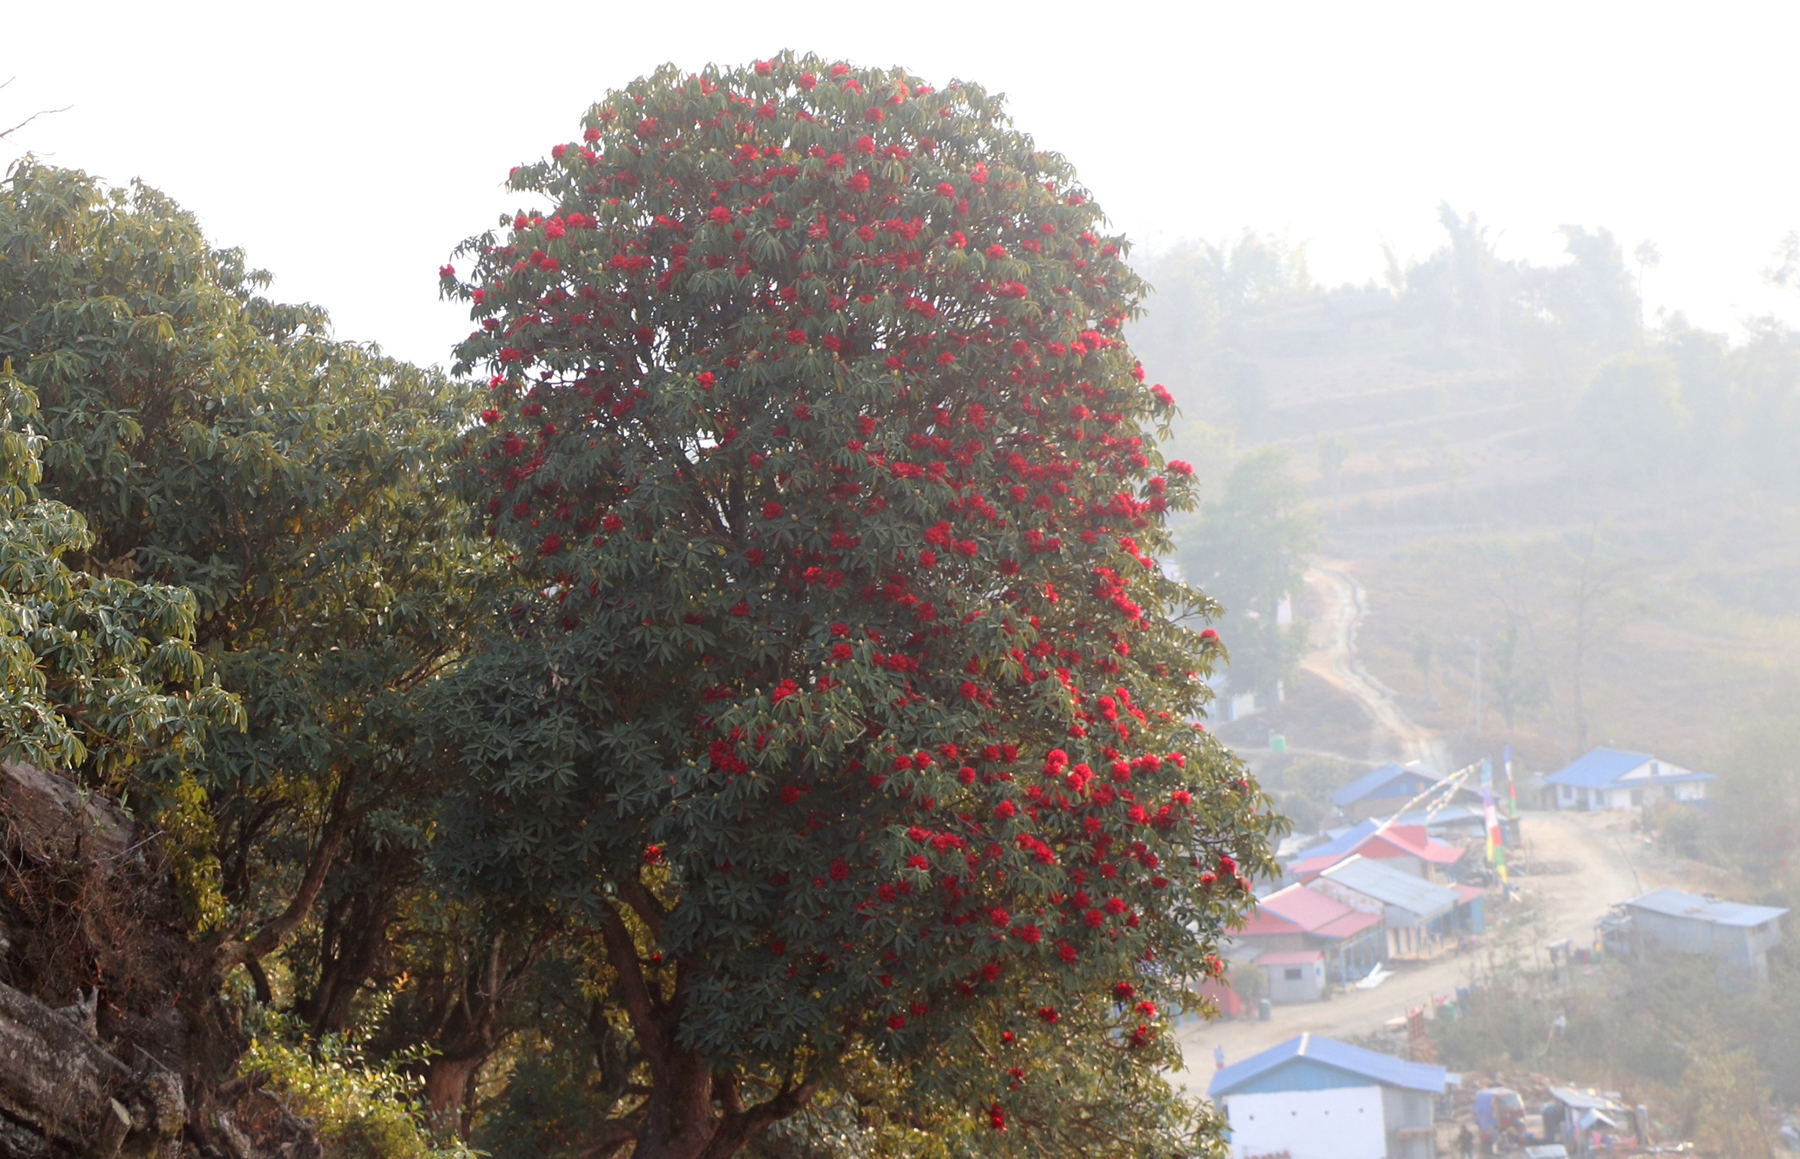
column 1374, row 779
column 1343, row 842
column 1602, row 768
column 1678, row 904
column 1597, row 769
column 1384, row 1069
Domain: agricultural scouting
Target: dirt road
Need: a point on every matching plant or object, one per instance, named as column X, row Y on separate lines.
column 1335, row 661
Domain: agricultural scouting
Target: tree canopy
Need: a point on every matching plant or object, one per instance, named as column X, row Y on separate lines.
column 258, row 521
column 837, row 692
column 753, row 720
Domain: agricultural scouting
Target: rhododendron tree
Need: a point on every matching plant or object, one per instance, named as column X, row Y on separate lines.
column 839, row 693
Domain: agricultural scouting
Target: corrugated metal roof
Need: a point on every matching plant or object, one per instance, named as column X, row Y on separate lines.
column 1351, row 924
column 1392, row 886
column 1307, row 908
column 1597, row 769
column 1442, row 817
column 1410, row 839
column 1375, row 778
column 1602, row 768
column 1677, row 904
column 1384, row 1069
column 1265, row 923
column 1345, row 841
column 1586, row 1100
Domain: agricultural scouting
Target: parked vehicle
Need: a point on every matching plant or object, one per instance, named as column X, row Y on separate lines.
column 1499, row 1112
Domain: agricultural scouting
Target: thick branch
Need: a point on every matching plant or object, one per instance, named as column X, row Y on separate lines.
column 340, row 819
column 621, row 951
column 643, row 904
column 615, row 1135
column 737, row 1130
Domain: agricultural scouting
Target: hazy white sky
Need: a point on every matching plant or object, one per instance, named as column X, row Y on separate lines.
column 349, row 146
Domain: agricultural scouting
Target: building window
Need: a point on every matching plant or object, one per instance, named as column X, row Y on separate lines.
column 1292, row 973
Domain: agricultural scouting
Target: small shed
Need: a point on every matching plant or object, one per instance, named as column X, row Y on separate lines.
column 1739, row 936
column 1317, row 1098
column 1294, row 975
column 1615, row 779
column 1573, row 1114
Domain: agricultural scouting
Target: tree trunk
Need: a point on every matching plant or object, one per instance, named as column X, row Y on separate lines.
column 447, row 1084
column 694, row 1113
column 355, row 932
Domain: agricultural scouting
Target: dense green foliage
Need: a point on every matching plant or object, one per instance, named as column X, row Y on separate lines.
column 838, row 695
column 96, row 673
column 293, row 485
column 270, row 536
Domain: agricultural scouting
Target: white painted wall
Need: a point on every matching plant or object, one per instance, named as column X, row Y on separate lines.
column 1341, row 1123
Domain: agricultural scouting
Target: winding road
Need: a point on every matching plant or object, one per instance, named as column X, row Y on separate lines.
column 1336, row 662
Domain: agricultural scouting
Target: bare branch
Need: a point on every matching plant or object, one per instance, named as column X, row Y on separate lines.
column 40, row 113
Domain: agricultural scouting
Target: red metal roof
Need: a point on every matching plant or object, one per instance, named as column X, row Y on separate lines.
column 1394, row 841
column 1351, row 924
column 1307, row 908
column 1416, row 841
column 1266, row 922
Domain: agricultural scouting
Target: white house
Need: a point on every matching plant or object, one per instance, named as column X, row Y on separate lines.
column 1613, row 779
column 1294, row 975
column 1317, row 1098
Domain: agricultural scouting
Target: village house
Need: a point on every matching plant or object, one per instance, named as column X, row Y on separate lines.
column 1389, row 789
column 1739, row 936
column 1407, row 847
column 1349, row 942
column 1614, row 779
column 1419, row 915
column 1317, row 1098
